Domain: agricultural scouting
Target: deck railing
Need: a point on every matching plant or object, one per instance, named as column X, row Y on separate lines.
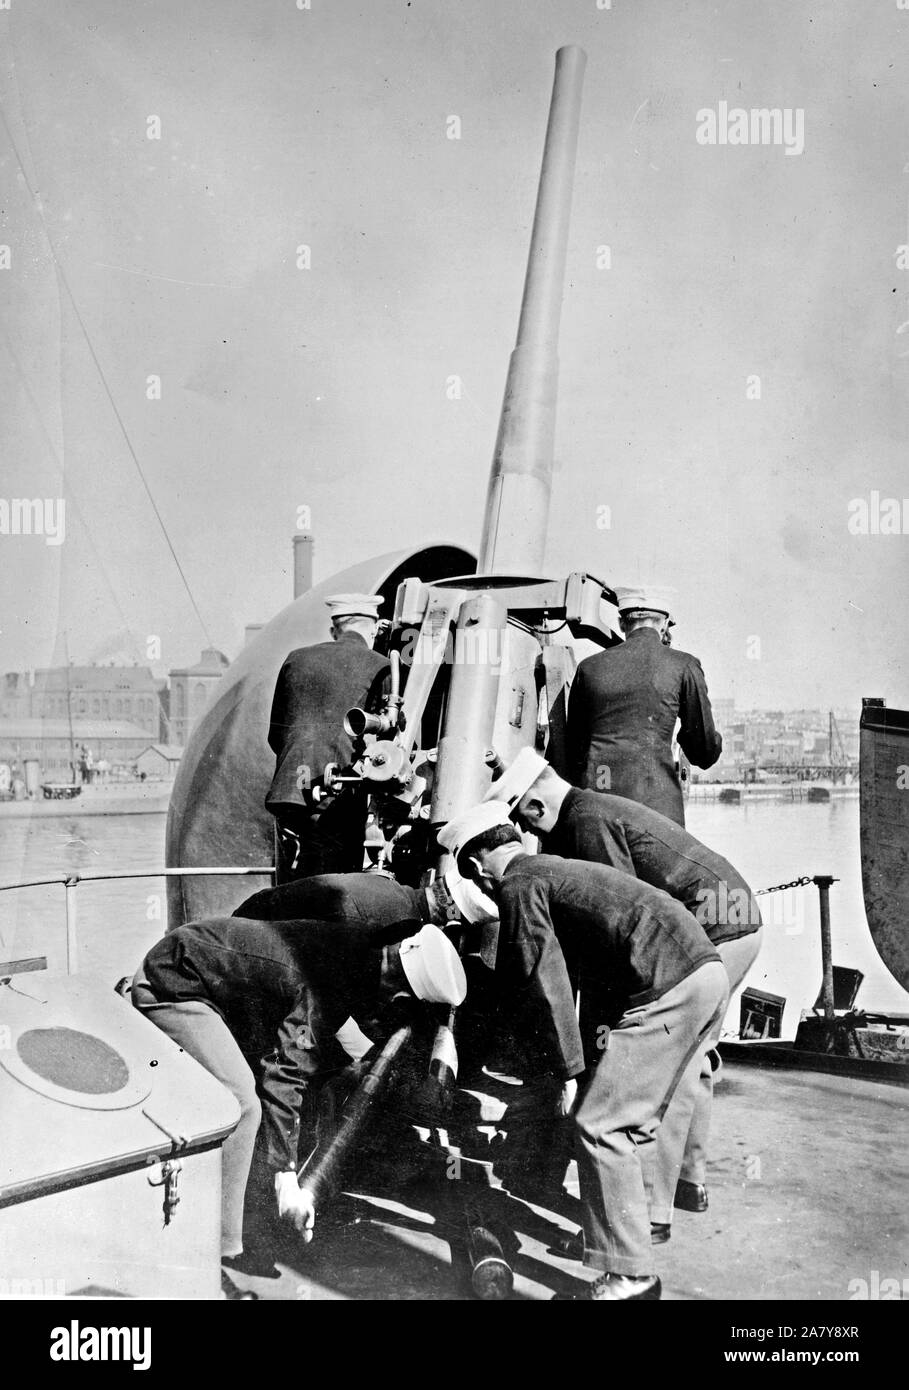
column 71, row 882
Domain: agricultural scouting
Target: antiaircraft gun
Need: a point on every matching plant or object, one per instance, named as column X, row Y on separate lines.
column 481, row 655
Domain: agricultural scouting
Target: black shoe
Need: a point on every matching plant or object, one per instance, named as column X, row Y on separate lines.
column 569, row 1247
column 255, row 1262
column 573, row 1246
column 690, row 1196
column 616, row 1288
column 233, row 1294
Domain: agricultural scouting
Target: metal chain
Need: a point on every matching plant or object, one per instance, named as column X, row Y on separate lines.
column 781, row 887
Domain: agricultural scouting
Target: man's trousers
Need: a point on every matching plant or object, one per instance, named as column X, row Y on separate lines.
column 681, row 1146
column 617, row 1120
column 204, row 1035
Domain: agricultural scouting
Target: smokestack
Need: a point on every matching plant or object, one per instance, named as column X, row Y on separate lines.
column 250, row 632
column 303, row 548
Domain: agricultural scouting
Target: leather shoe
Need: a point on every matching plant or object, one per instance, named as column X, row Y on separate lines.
column 690, row 1196
column 258, row 1263
column 233, row 1294
column 573, row 1246
column 620, row 1288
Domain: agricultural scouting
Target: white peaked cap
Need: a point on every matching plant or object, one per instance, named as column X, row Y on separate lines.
column 652, row 598
column 354, row 605
column 518, row 778
column 433, row 967
column 470, row 900
column 461, row 829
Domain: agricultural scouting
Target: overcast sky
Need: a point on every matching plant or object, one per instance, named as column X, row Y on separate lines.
column 326, row 388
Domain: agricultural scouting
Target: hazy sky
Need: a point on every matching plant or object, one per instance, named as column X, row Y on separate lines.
column 326, row 388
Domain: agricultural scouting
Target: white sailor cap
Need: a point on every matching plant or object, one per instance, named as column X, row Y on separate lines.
column 433, row 967
column 354, row 605
column 647, row 598
column 518, row 778
column 470, row 900
column 461, row 829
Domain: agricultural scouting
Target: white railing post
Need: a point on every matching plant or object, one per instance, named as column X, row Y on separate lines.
column 72, row 946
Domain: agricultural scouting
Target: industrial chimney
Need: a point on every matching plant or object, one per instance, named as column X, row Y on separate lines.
column 303, row 548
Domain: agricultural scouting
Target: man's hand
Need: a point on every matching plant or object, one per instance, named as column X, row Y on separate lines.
column 567, row 1098
column 295, row 1205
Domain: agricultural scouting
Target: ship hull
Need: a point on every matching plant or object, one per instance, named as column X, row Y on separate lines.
column 884, row 833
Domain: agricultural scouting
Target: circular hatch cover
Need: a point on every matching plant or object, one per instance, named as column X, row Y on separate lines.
column 75, row 1061
column 74, row 1067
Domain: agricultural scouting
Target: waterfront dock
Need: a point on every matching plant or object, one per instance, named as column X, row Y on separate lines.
column 99, row 799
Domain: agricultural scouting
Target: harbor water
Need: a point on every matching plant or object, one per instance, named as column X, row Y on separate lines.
column 770, row 841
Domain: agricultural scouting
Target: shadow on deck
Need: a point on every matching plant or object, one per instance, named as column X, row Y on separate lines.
column 807, row 1193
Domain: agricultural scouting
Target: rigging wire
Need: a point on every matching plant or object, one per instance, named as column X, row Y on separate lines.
column 74, row 500
column 100, row 370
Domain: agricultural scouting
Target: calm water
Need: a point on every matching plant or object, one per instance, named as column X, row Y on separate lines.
column 770, row 842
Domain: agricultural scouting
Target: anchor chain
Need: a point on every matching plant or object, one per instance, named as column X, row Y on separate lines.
column 781, row 887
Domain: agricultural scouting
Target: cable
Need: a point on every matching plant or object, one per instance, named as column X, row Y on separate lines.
column 123, row 430
column 62, row 471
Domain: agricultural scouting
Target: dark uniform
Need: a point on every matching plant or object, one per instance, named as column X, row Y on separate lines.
column 369, row 898
column 666, row 988
column 316, row 687
column 621, row 715
column 625, row 835
column 258, row 1005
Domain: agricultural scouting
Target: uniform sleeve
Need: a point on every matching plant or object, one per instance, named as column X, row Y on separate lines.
column 698, row 737
column 277, row 726
column 530, row 964
column 306, row 1051
column 577, row 728
column 379, row 688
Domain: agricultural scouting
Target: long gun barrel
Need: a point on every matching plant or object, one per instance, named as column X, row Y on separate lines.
column 517, row 503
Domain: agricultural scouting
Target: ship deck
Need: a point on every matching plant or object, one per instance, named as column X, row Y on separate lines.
column 807, row 1185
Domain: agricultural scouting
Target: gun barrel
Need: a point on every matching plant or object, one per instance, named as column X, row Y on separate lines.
column 520, row 482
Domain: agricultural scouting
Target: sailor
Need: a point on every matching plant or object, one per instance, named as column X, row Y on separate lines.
column 363, row 897
column 623, row 834
column 666, row 987
column 316, row 687
column 623, row 708
column 259, row 1005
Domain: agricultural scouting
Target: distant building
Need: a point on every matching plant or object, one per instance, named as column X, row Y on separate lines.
column 121, row 694
column 159, row 760
column 723, row 712
column 48, row 740
column 785, row 747
column 190, row 689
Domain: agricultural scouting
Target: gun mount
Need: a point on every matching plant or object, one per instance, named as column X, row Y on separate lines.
column 481, row 662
